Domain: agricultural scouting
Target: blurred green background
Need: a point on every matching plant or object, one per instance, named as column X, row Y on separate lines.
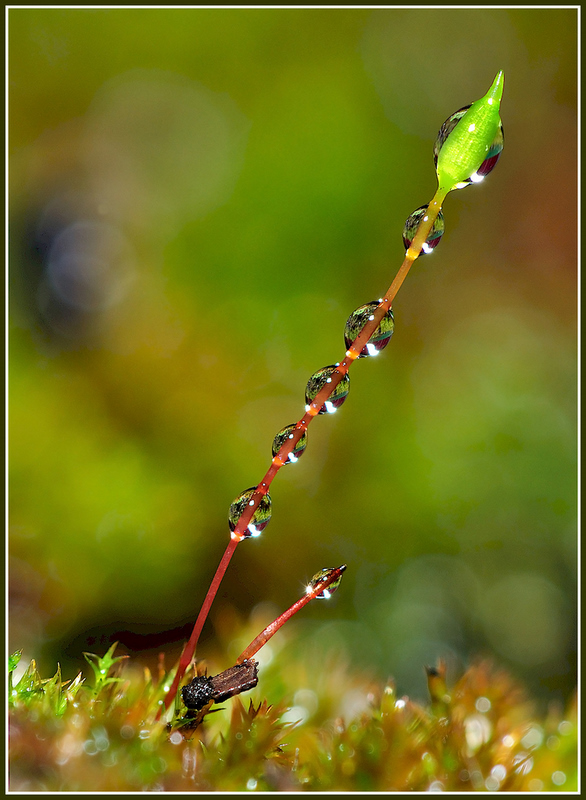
column 198, row 200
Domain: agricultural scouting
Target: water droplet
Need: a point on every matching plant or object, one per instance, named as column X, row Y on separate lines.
column 321, row 576
column 533, row 738
column 381, row 336
column 189, row 762
column 483, row 704
column 476, row 779
column 90, row 747
column 337, row 397
column 493, row 155
column 433, row 237
column 565, row 727
column 282, row 437
column 478, row 730
column 260, row 518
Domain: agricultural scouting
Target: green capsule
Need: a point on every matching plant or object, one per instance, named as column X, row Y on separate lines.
column 472, row 140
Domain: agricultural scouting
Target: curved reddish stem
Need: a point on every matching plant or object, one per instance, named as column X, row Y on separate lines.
column 189, row 649
column 239, row 532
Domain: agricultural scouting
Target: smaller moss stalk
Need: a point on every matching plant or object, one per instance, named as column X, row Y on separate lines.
column 324, row 584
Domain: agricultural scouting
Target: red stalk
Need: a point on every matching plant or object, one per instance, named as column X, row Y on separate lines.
column 238, row 534
column 189, row 649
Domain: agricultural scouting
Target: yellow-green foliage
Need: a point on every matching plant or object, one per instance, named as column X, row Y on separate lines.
column 479, row 734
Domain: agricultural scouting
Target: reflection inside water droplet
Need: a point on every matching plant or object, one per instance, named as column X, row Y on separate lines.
column 260, row 518
column 318, row 380
column 483, row 704
column 318, row 578
column 433, row 237
column 381, row 335
column 298, row 448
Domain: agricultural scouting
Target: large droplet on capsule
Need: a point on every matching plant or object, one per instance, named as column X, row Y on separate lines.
column 470, row 141
column 381, row 336
column 433, row 237
column 492, row 155
column 318, row 381
column 262, row 513
column 298, row 449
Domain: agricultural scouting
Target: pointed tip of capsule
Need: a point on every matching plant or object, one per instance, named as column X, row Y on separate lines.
column 342, row 568
column 495, row 92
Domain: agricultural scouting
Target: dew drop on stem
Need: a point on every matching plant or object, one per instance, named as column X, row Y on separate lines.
column 262, row 513
column 283, row 436
column 433, row 237
column 381, row 336
column 320, row 577
column 318, row 380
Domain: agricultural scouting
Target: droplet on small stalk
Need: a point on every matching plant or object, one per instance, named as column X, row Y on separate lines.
column 433, row 237
column 318, row 381
column 262, row 513
column 298, row 449
column 381, row 336
column 322, row 576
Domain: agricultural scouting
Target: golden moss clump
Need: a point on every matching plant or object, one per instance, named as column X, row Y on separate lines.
column 478, row 734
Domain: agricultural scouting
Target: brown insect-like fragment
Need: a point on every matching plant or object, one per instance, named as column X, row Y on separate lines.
column 239, row 678
column 202, row 689
column 198, row 692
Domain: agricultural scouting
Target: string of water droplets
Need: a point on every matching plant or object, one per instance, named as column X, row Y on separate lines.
column 368, row 329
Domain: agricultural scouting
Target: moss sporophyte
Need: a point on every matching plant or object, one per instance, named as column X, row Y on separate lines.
column 466, row 150
column 478, row 734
